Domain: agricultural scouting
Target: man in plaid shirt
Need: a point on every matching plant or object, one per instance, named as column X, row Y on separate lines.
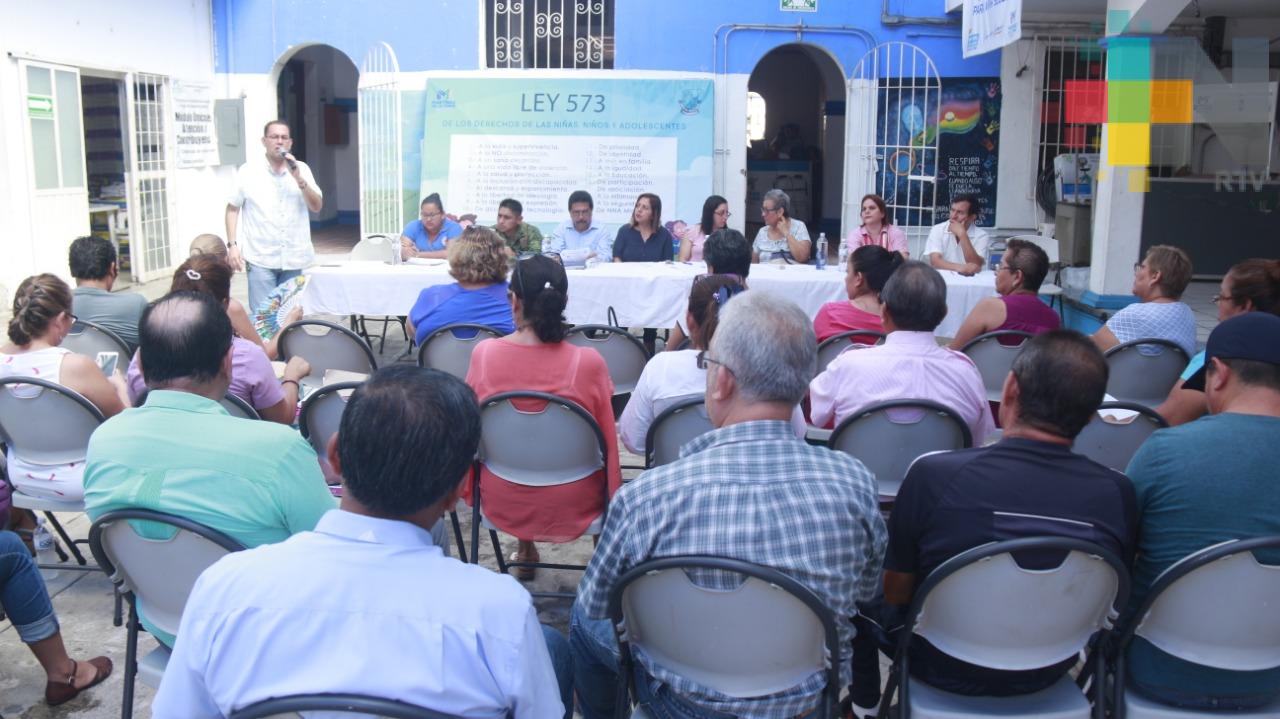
column 749, row 490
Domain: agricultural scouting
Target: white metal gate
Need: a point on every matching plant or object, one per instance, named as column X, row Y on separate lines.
column 891, row 140
column 382, row 199
column 150, row 207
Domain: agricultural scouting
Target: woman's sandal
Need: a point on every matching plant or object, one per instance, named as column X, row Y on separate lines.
column 56, row 693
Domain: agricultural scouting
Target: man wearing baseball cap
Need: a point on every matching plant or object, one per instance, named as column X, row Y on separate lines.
column 1206, row 482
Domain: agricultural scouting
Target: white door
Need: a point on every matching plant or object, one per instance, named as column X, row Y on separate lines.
column 56, row 171
column 148, row 176
column 382, row 200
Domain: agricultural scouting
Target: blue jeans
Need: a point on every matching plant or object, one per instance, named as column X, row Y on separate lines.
column 22, row 592
column 262, row 280
column 562, row 663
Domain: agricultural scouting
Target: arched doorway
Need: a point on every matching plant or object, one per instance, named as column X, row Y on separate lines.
column 798, row 146
column 316, row 95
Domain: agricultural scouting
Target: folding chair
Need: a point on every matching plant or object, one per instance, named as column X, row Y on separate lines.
column 1114, row 444
column 1136, row 376
column 623, row 353
column 1217, row 608
column 237, row 407
column 672, row 428
column 715, row 639
column 888, row 436
column 88, row 339
column 558, row 444
column 160, row 572
column 981, row 607
column 831, row 347
column 994, row 359
column 357, row 704
column 325, row 346
column 447, row 350
column 377, row 248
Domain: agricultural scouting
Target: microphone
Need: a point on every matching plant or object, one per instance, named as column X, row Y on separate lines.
column 284, row 156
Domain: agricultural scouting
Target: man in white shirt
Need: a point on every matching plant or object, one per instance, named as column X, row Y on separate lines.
column 367, row 603
column 578, row 238
column 275, row 194
column 959, row 244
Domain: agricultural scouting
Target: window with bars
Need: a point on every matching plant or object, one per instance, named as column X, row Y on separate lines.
column 549, row 34
column 1065, row 60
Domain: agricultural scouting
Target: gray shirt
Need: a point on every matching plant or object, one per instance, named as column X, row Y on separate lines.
column 116, row 311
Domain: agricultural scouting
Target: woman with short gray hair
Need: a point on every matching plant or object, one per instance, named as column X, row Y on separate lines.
column 782, row 235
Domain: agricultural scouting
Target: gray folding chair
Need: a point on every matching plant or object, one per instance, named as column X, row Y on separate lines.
column 447, row 350
column 715, row 639
column 380, row 248
column 325, row 346
column 888, row 436
column 981, row 607
column 88, row 339
column 161, row 572
column 672, row 428
column 831, row 347
column 1136, row 376
column 1114, row 444
column 1191, row 614
column 321, row 414
column 994, row 359
column 356, row 704
column 623, row 353
column 237, row 407
column 46, row 423
column 558, row 444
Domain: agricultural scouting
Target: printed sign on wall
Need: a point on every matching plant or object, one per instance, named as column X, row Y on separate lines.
column 988, row 25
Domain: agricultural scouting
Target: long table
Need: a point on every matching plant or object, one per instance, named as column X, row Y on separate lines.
column 642, row 294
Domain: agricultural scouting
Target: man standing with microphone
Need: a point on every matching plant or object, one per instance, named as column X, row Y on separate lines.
column 274, row 238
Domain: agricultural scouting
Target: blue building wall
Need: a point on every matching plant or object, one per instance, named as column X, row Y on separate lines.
column 667, row 35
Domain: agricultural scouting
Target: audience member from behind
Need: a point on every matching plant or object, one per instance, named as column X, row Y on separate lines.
column 959, row 244
column 580, row 238
column 252, row 377
column 25, row 601
column 870, row 267
column 1030, row 483
column 715, row 216
column 909, row 365
column 93, row 265
column 478, row 261
column 1192, row 494
column 181, row 453
column 241, row 324
column 726, row 252
column 369, row 580
column 782, row 234
column 1021, row 271
column 1158, row 281
column 41, row 318
column 520, row 236
column 727, row 496
column 877, row 228
column 429, row 235
column 644, row 239
column 1249, row 286
column 536, row 358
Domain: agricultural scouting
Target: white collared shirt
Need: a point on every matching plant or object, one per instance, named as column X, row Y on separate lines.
column 275, row 225
column 365, row 606
column 944, row 243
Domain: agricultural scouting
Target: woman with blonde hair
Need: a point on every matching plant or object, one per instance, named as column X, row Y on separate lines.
column 478, row 261
column 213, row 246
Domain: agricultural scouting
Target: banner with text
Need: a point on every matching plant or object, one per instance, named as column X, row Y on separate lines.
column 193, row 124
column 988, row 25
column 537, row 140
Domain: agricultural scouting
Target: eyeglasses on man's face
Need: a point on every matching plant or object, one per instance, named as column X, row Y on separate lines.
column 703, row 360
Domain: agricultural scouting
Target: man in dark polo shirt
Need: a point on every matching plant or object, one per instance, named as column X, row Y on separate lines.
column 1028, row 484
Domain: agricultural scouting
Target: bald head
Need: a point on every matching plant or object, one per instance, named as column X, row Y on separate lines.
column 183, row 337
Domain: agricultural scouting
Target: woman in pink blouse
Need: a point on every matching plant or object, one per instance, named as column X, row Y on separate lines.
column 877, row 229
column 869, row 269
column 715, row 216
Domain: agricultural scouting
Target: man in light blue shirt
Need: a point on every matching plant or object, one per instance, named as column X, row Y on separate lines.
column 579, row 238
column 368, row 603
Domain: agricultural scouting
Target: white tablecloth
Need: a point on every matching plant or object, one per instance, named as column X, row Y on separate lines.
column 642, row 294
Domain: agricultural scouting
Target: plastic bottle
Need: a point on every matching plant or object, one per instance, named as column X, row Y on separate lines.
column 842, row 255
column 43, row 542
column 675, row 248
column 546, row 244
column 820, row 256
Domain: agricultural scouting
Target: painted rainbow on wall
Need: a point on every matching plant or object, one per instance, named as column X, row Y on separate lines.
column 959, row 116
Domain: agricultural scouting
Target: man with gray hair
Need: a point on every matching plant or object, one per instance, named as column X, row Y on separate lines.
column 909, row 365
column 749, row 490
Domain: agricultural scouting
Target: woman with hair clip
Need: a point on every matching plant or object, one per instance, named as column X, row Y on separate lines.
column 536, row 358
column 40, row 321
column 870, row 267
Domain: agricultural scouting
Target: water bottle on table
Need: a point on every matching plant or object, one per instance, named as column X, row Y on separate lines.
column 842, row 255
column 820, row 256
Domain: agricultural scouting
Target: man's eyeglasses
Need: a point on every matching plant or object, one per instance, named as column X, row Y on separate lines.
column 703, row 360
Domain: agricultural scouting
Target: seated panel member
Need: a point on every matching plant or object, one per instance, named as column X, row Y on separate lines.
column 645, row 239
column 580, row 238
column 959, row 244
column 429, row 235
column 782, row 234
column 519, row 235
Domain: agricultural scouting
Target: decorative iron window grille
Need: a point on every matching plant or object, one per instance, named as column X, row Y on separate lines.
column 550, row 34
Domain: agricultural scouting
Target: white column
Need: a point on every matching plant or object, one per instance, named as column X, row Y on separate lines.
column 1117, row 228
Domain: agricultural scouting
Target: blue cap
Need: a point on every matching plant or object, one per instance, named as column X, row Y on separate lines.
column 1250, row 336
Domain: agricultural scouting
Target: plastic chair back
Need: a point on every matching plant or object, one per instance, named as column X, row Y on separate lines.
column 888, row 436
column 831, row 347
column 445, row 350
column 325, row 346
column 237, row 407
column 715, row 638
column 994, row 359
column 1114, row 444
column 355, row 704
column 546, row 440
column 1135, row 376
column 88, row 339
column 623, row 353
column 376, row 248
column 160, row 572
column 321, row 414
column 44, row 422
column 672, row 428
